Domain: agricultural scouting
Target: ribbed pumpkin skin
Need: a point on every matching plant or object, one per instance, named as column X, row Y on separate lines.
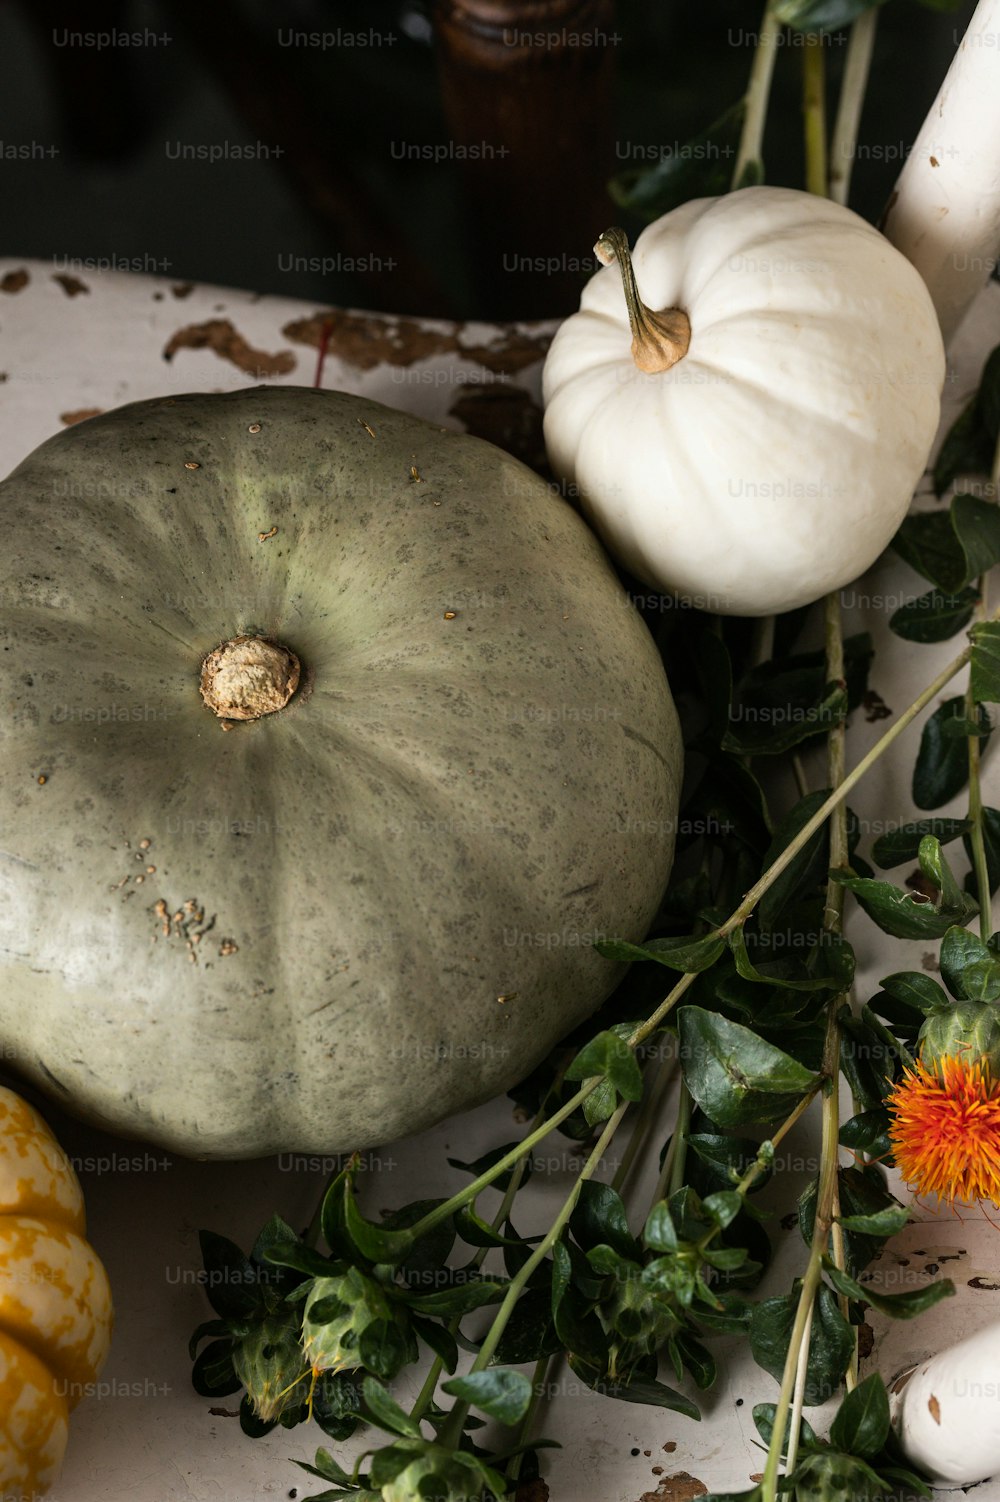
column 55, row 1301
column 400, row 872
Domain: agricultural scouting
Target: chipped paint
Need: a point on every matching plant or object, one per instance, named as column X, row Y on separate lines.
column 15, row 281
column 71, row 285
column 681, row 1487
column 220, row 336
column 366, row 340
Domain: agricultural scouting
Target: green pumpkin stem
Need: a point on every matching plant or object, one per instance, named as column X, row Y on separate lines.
column 659, row 340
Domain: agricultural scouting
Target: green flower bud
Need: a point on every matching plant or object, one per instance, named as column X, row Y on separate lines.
column 833, row 1477
column 435, row 1471
column 969, row 1030
column 337, row 1312
column 268, row 1361
column 638, row 1318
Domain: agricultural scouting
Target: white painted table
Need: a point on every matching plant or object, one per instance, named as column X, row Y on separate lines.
column 71, row 347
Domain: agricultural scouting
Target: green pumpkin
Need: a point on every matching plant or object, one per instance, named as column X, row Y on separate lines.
column 373, row 904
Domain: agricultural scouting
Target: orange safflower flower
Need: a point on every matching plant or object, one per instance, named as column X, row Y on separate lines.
column 945, row 1130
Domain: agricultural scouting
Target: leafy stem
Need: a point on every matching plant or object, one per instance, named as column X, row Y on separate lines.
column 798, row 1343
column 813, row 108
column 451, row 1433
column 976, row 838
column 857, row 65
column 751, row 147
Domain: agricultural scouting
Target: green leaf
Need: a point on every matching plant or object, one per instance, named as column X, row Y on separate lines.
column 304, row 1259
column 529, row 1333
column 600, row 1103
column 951, row 548
column 821, row 15
column 984, row 670
column 861, row 1426
column 638, row 1390
column 988, row 398
column 702, row 168
column 231, row 1280
column 866, row 1060
column 251, row 1425
column 463, row 1297
column 934, row 616
column 722, row 1207
column 660, row 1233
column 969, row 969
column 386, row 1411
column 728, row 1158
column 475, row 1231
column 942, row 766
column 372, row 1241
column 977, row 526
column 578, row 1328
column 599, row 1217
column 438, row 1337
column 831, row 1343
column 902, row 844
column 868, row 1132
column 735, row 1076
column 882, row 1223
column 991, row 839
column 609, row 1056
column 765, row 728
column 777, row 971
column 689, row 954
column 486, row 1161
column 327, row 1469
column 763, row 1417
column 383, row 1348
column 213, row 1374
column 697, row 1359
column 500, row 1392
column 897, row 912
column 914, row 989
column 808, row 868
column 927, row 542
column 934, row 865
column 967, row 449
column 893, row 1305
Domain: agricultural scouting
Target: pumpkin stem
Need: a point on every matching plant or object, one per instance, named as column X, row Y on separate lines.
column 248, row 677
column 659, row 340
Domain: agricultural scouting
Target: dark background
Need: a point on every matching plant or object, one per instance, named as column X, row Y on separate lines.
column 345, row 117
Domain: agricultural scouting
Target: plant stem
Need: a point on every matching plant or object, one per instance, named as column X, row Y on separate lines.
column 427, row 1391
column 681, row 1129
column 857, row 65
column 647, row 1110
column 524, row 1428
column 798, row 1396
column 451, row 1432
column 751, row 148
column 814, row 110
column 812, row 1278
column 976, row 839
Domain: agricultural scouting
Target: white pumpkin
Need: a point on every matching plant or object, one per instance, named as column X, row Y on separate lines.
column 756, row 440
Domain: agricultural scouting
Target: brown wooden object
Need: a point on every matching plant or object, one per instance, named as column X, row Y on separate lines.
column 527, row 92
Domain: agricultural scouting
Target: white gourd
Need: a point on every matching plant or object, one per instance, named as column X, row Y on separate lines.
column 790, row 393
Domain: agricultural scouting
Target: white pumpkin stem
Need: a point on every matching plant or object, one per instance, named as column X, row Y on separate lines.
column 659, row 340
column 944, row 214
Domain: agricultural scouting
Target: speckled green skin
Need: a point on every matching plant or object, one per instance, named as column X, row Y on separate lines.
column 445, row 813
